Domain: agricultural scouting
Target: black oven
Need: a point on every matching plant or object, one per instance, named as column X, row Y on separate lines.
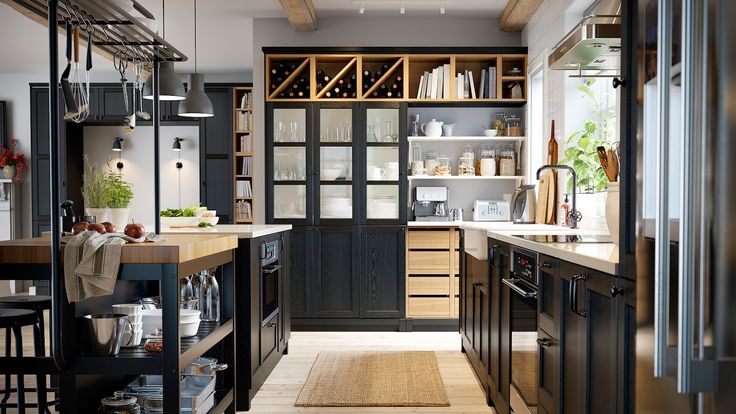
column 522, row 283
column 270, row 279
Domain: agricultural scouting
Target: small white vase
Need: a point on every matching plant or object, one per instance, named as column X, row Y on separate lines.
column 612, row 210
column 9, row 171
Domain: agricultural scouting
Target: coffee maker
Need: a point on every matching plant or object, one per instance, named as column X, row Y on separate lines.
column 430, row 204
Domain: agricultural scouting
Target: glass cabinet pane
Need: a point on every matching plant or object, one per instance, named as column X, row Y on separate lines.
column 336, row 163
column 289, row 201
column 382, row 164
column 289, row 164
column 382, row 124
column 382, row 201
column 336, row 201
column 289, row 124
column 336, row 125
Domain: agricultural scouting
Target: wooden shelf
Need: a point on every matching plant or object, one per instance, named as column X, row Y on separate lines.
column 243, row 156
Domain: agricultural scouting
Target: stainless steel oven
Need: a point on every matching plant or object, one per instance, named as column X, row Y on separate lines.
column 270, row 278
column 522, row 283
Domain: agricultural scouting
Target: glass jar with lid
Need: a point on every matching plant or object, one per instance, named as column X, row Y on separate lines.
column 507, row 166
column 430, row 161
column 499, row 123
column 482, row 148
column 444, row 166
column 416, row 152
column 488, row 163
column 465, row 166
column 120, row 403
column 514, row 127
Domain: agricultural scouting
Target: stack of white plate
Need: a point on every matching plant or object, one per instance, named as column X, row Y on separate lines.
column 337, row 207
column 133, row 310
column 383, row 208
column 188, row 321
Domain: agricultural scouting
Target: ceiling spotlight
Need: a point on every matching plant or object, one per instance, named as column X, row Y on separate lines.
column 403, row 9
column 362, row 9
column 442, row 9
column 117, row 144
column 177, row 144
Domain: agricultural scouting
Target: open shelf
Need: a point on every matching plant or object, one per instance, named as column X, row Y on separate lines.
column 288, row 77
column 208, row 335
column 244, row 153
column 383, row 77
column 336, row 77
column 463, row 177
column 464, row 139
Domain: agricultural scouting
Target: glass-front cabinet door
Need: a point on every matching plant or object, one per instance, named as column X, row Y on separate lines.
column 336, row 159
column 385, row 138
column 289, row 132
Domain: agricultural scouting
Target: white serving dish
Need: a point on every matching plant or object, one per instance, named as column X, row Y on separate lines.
column 180, row 221
column 206, row 213
column 189, row 329
column 330, row 174
column 188, row 315
column 135, row 319
column 209, row 220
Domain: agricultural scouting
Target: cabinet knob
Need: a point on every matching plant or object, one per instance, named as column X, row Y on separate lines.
column 544, row 342
column 615, row 291
column 271, row 325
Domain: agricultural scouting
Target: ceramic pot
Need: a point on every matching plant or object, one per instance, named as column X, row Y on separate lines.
column 612, row 210
column 447, row 129
column 432, row 128
column 119, row 217
column 9, row 171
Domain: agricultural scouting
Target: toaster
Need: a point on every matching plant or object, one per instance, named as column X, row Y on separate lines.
column 491, row 210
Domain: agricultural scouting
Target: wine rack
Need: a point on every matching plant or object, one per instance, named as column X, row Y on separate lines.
column 472, row 76
column 244, row 154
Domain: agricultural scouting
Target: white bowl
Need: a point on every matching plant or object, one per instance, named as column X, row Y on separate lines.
column 209, row 220
column 135, row 319
column 180, row 221
column 188, row 315
column 189, row 329
column 330, row 174
column 133, row 339
column 206, row 213
column 490, row 132
column 127, row 308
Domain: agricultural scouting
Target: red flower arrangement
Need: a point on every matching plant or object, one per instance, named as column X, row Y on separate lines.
column 10, row 158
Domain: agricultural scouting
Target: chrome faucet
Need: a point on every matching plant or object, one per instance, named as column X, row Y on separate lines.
column 573, row 215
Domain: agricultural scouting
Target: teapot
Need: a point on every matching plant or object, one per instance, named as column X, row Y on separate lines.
column 432, row 128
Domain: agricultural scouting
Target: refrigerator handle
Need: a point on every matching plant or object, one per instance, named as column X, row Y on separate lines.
column 661, row 221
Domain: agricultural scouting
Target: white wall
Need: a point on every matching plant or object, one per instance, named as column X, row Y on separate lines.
column 360, row 32
column 179, row 188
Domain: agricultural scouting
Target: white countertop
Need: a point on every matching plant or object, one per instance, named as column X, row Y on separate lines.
column 599, row 256
column 434, row 223
column 243, row 231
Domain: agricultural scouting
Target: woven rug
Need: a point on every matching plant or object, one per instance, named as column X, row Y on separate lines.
column 374, row 379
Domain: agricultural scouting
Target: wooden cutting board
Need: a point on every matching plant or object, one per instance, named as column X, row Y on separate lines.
column 542, row 196
column 551, row 197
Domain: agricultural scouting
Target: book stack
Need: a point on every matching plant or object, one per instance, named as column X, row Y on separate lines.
column 435, row 84
column 243, row 189
column 243, row 210
column 245, row 101
column 466, row 84
column 246, row 166
column 245, row 144
column 243, row 121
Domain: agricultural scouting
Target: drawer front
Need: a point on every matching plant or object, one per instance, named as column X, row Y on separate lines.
column 429, row 262
column 457, row 306
column 429, row 239
column 269, row 337
column 456, row 262
column 429, row 285
column 437, row 307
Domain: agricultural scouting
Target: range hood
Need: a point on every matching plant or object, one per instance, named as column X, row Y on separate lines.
column 594, row 43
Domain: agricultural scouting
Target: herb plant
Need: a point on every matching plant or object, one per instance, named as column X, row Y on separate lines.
column 104, row 189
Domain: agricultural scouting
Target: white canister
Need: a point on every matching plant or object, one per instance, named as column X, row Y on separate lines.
column 392, row 171
column 612, row 210
column 416, row 166
column 430, row 165
column 375, row 173
column 488, row 167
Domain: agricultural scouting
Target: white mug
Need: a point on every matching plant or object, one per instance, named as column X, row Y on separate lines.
column 392, row 171
column 375, row 173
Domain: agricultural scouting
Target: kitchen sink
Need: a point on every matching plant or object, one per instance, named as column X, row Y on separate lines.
column 566, row 238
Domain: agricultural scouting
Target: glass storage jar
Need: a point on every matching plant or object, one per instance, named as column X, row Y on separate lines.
column 508, row 163
column 444, row 166
column 430, row 162
column 488, row 163
column 476, row 162
column 119, row 403
column 499, row 123
column 465, row 166
column 514, row 128
column 416, row 153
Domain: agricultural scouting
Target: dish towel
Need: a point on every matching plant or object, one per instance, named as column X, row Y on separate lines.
column 92, row 261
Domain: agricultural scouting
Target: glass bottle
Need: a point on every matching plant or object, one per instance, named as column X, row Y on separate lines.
column 198, row 285
column 211, row 310
column 414, row 132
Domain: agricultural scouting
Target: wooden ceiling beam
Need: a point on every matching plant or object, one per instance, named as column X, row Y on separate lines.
column 301, row 14
column 517, row 14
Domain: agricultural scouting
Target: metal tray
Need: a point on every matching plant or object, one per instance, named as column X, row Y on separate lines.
column 194, row 392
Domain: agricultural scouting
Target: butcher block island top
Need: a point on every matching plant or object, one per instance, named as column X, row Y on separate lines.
column 177, row 248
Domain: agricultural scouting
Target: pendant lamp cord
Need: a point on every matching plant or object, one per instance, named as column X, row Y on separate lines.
column 163, row 18
column 195, row 36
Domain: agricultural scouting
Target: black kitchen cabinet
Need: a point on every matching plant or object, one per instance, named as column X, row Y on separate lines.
column 500, row 348
column 302, row 262
column 216, row 154
column 338, row 270
column 382, row 286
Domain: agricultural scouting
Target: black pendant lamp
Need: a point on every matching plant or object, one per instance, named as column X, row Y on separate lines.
column 170, row 86
column 196, row 104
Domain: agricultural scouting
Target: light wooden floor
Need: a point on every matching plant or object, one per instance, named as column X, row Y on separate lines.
column 283, row 386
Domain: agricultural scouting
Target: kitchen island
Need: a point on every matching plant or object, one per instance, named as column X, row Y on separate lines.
column 552, row 307
column 146, row 269
column 262, row 311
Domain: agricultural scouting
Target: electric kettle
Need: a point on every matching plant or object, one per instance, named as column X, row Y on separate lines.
column 524, row 204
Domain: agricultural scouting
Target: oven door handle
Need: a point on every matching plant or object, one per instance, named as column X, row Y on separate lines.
column 271, row 269
column 511, row 283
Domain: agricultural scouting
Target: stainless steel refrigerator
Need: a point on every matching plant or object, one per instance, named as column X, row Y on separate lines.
column 678, row 236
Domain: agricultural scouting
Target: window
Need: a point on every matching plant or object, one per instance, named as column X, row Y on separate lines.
column 536, row 121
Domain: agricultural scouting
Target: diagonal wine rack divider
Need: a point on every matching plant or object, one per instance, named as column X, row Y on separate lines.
column 337, row 77
column 297, row 72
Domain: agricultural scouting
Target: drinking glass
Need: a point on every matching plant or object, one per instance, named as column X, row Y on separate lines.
column 280, row 132
column 294, row 131
column 388, row 137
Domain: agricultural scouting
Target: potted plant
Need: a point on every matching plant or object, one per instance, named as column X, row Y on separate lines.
column 12, row 163
column 106, row 195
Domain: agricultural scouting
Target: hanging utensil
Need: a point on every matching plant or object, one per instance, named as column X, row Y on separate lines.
column 78, row 88
column 88, row 66
column 120, row 61
column 139, row 83
column 66, row 89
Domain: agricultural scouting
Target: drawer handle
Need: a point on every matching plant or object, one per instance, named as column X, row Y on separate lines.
column 615, row 291
column 543, row 265
column 544, row 342
column 271, row 325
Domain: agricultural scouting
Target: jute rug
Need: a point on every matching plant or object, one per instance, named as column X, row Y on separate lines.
column 374, row 379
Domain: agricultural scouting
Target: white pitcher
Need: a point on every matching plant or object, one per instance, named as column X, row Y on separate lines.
column 432, row 128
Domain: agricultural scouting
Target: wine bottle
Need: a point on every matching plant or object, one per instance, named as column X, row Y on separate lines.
column 345, row 95
column 319, row 86
column 375, row 94
column 399, row 94
column 398, row 79
column 320, row 73
column 337, row 90
column 389, row 94
column 341, row 82
column 328, row 94
column 273, row 70
column 301, row 94
column 292, row 67
column 326, row 78
column 379, row 73
column 385, row 67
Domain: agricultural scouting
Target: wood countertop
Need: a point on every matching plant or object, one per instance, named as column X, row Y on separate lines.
column 177, row 248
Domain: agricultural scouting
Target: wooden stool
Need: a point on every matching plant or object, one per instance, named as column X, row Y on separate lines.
column 36, row 303
column 13, row 320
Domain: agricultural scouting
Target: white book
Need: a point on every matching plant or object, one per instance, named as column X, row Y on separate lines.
column 482, row 91
column 448, row 78
column 440, row 82
column 427, row 82
column 466, row 85
column 494, row 83
column 459, row 86
column 472, row 85
column 421, row 85
column 433, row 90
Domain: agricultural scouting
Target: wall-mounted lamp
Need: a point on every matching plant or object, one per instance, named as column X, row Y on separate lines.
column 177, row 144
column 117, row 146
